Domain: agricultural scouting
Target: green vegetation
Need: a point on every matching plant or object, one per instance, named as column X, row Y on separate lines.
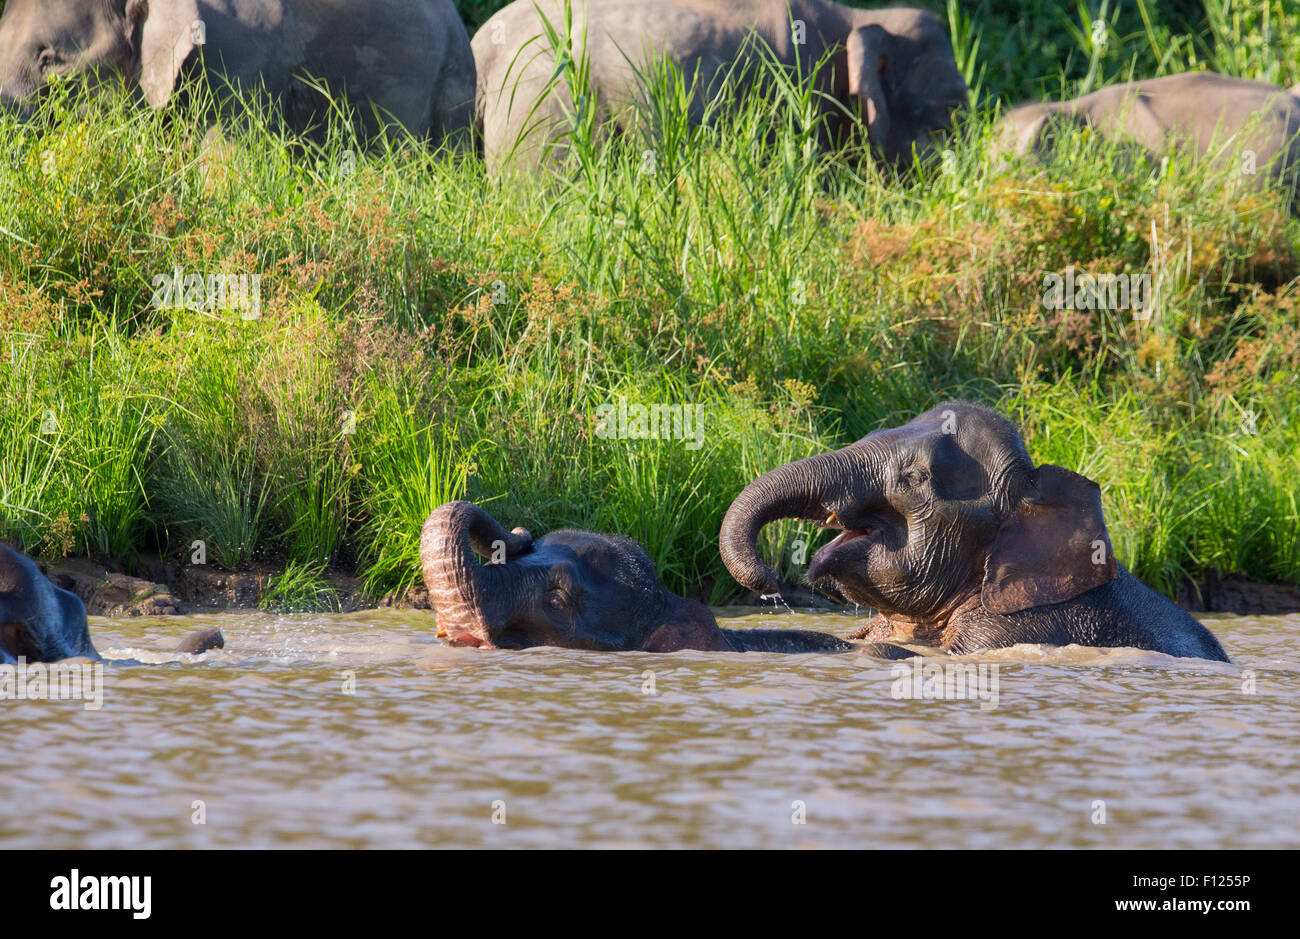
column 424, row 334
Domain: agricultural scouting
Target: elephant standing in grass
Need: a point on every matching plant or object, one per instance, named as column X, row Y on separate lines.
column 950, row 531
column 893, row 67
column 396, row 64
column 576, row 589
column 1216, row 116
column 44, row 623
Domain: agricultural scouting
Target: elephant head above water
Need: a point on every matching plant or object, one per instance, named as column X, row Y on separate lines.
column 894, row 67
column 950, row 531
column 576, row 589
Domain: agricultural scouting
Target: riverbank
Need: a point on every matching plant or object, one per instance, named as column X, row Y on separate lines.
column 401, row 331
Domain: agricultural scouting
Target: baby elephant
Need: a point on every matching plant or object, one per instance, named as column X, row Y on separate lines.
column 576, row 589
column 1214, row 115
column 44, row 623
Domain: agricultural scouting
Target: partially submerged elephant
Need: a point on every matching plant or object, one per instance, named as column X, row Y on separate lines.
column 401, row 63
column 950, row 531
column 894, row 67
column 1214, row 115
column 576, row 589
column 44, row 623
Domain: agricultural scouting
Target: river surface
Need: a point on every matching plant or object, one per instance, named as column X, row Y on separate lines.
column 363, row 730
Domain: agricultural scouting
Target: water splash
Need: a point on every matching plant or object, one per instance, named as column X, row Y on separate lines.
column 777, row 600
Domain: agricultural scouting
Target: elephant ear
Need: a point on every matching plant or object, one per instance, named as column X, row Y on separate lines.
column 867, row 63
column 690, row 626
column 164, row 32
column 1053, row 548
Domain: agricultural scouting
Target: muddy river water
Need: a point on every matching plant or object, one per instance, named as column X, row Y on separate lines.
column 363, row 730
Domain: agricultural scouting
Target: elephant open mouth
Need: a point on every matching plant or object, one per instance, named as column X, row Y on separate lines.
column 841, row 550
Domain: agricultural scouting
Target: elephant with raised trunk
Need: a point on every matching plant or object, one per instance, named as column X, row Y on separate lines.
column 576, row 589
column 893, row 67
column 1215, row 116
column 950, row 531
column 40, row 622
column 397, row 64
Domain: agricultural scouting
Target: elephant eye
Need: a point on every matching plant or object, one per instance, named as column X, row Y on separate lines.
column 558, row 598
column 46, row 59
column 915, row 477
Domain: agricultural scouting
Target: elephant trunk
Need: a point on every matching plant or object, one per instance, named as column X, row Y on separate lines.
column 469, row 598
column 866, row 65
column 806, row 489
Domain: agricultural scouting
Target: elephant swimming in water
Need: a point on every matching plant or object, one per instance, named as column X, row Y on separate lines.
column 44, row 623
column 576, row 589
column 950, row 531
column 399, row 64
column 893, row 67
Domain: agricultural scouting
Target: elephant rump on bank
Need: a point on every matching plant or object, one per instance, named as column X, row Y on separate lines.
column 1248, row 126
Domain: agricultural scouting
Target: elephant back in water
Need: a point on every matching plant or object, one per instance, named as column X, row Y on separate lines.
column 893, row 67
column 397, row 65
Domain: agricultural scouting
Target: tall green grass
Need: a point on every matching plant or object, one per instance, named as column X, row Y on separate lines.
column 428, row 334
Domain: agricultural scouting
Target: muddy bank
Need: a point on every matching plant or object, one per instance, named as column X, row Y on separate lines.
column 158, row 587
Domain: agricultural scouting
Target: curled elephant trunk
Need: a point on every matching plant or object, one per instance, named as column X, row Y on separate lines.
column 804, row 489
column 468, row 597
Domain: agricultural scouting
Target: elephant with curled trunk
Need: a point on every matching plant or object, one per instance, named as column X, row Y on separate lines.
column 893, row 67
column 40, row 622
column 950, row 531
column 576, row 589
column 1215, row 116
column 394, row 63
